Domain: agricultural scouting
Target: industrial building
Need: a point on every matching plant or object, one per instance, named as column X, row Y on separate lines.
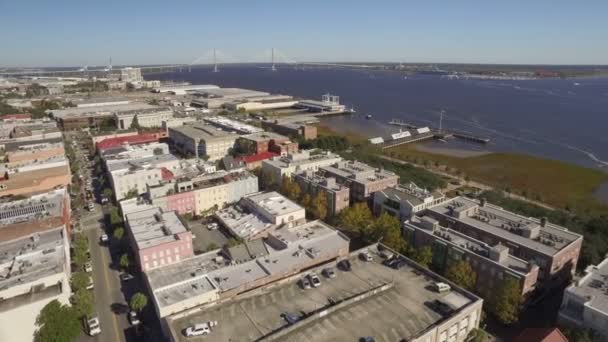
column 263, row 142
column 372, row 300
column 404, row 201
column 362, row 179
column 85, row 117
column 553, row 248
column 328, row 103
column 218, row 97
column 201, row 140
column 232, row 125
column 290, row 129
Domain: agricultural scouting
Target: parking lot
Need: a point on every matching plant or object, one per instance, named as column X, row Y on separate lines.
column 257, row 316
column 205, row 238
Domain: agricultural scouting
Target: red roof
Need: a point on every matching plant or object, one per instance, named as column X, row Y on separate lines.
column 131, row 139
column 16, row 117
column 166, row 174
column 541, row 335
column 258, row 157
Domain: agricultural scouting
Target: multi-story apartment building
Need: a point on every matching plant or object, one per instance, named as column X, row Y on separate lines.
column 127, row 152
column 23, row 152
column 149, row 117
column 281, row 166
column 585, row 302
column 337, row 195
column 158, row 238
column 289, row 129
column 362, row 179
column 553, row 248
column 492, row 264
column 135, row 174
column 403, row 201
column 200, row 140
column 97, row 116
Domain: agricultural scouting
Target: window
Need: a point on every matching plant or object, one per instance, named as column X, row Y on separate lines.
column 145, row 257
column 162, row 254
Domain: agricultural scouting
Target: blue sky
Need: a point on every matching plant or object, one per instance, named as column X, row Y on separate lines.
column 62, row 33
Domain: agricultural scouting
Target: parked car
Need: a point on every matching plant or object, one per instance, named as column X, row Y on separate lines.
column 329, row 272
column 104, row 200
column 92, row 325
column 212, row 226
column 366, row 256
column 133, row 318
column 290, row 318
column 344, row 265
column 90, row 285
column 305, row 283
column 200, row 329
column 91, row 206
column 314, row 280
column 126, row 276
column 104, row 238
column 88, row 267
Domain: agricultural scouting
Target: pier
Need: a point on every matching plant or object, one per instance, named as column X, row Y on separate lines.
column 441, row 134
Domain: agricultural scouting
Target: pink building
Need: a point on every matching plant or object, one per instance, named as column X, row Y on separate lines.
column 158, row 238
column 182, row 202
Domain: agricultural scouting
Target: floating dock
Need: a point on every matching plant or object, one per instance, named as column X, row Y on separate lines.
column 444, row 133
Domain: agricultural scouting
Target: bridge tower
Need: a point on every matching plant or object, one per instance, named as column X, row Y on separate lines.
column 215, row 68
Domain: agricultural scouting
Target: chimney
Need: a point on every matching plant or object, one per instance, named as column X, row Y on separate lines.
column 543, row 222
column 482, row 202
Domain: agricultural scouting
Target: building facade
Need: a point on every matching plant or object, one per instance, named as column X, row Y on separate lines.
column 404, row 201
column 201, row 140
column 337, row 196
column 362, row 179
column 282, row 166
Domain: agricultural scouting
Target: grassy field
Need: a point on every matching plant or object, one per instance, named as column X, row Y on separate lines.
column 557, row 183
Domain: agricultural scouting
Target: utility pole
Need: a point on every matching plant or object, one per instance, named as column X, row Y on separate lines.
column 215, row 69
column 440, row 120
column 273, row 67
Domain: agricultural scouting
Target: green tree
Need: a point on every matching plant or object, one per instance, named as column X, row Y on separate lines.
column 81, row 248
column 135, row 123
column 505, row 304
column 290, row 188
column 83, row 302
column 119, row 232
column 80, row 280
column 115, row 217
column 138, row 302
column 124, row 261
column 318, row 206
column 131, row 194
column 386, row 229
column 462, row 274
column 306, row 200
column 356, row 218
column 57, row 323
column 423, row 256
column 108, row 193
column 477, row 335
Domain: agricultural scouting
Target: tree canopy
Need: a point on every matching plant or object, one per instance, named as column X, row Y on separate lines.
column 58, row 323
column 505, row 304
column 318, row 206
column 423, row 256
column 138, row 302
column 462, row 274
column 124, row 261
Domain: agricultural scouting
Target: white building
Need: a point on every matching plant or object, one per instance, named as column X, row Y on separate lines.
column 131, row 75
column 328, row 103
column 303, row 161
column 127, row 152
column 150, row 117
column 403, row 201
column 34, row 270
column 200, row 140
column 129, row 175
column 585, row 302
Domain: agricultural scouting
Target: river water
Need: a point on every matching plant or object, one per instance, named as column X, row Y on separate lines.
column 563, row 119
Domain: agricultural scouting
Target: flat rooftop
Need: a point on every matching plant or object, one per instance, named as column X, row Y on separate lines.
column 12, row 145
column 507, row 225
column 201, row 131
column 242, row 223
column 593, row 287
column 169, row 282
column 97, row 110
column 265, row 136
column 358, row 171
column 154, row 227
column 324, row 182
column 32, row 257
column 302, row 158
column 36, row 207
column 273, row 203
column 411, row 193
column 140, row 163
column 232, row 124
column 152, row 110
column 231, row 93
column 255, row 317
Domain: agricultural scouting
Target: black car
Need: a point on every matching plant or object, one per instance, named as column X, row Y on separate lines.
column 344, row 265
